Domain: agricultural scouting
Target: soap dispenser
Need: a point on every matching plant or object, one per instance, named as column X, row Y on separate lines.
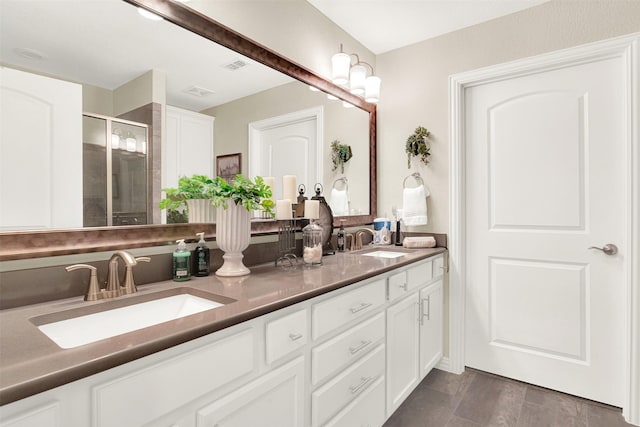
column 201, row 257
column 181, row 266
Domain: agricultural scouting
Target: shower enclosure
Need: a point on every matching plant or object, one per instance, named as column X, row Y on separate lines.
column 114, row 169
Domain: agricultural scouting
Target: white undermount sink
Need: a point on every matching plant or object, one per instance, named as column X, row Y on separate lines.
column 85, row 329
column 385, row 254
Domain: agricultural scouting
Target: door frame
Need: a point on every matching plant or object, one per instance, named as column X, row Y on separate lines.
column 625, row 47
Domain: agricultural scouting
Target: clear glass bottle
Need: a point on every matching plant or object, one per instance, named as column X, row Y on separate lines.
column 312, row 244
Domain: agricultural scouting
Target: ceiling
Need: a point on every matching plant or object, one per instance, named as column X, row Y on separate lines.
column 106, row 43
column 384, row 25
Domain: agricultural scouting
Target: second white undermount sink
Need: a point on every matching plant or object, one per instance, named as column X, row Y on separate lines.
column 385, row 254
column 77, row 331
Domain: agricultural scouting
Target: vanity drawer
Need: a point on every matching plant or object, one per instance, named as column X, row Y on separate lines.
column 168, row 385
column 286, row 334
column 346, row 386
column 339, row 351
column 438, row 266
column 366, row 410
column 397, row 285
column 420, row 274
column 339, row 310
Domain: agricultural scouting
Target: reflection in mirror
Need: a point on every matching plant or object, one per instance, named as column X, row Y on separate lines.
column 123, row 71
column 136, row 78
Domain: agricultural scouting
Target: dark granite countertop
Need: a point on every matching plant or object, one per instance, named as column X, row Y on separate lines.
column 31, row 363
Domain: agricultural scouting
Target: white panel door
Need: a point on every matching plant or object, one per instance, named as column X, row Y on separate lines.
column 288, row 145
column 546, row 180
column 40, row 152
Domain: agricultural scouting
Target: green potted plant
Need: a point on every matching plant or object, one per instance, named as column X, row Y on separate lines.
column 340, row 154
column 235, row 202
column 417, row 145
column 193, row 194
column 200, row 192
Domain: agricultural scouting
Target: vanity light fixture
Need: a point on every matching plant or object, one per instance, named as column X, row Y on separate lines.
column 355, row 76
column 131, row 142
column 115, row 139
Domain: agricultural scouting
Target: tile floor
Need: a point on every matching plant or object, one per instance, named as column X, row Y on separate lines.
column 480, row 399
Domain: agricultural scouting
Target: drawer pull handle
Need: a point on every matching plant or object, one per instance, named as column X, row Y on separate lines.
column 295, row 337
column 357, row 348
column 404, row 286
column 361, row 307
column 363, row 383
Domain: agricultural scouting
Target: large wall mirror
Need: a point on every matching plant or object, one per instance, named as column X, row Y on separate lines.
column 128, row 69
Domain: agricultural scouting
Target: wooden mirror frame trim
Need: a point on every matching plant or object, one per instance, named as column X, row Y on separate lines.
column 16, row 245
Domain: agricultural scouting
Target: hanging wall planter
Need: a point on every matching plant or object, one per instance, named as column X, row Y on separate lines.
column 417, row 145
column 340, row 154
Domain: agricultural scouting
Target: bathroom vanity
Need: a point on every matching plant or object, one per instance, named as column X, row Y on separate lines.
column 341, row 344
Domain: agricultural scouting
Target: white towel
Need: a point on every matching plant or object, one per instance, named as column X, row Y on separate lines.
column 414, row 205
column 339, row 202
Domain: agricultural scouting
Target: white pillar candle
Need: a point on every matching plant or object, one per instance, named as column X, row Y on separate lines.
column 271, row 183
column 283, row 209
column 312, row 209
column 289, row 188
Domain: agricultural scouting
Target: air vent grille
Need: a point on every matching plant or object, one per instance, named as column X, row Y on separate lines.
column 198, row 91
column 235, row 65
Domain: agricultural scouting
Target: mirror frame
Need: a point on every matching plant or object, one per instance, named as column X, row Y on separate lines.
column 15, row 245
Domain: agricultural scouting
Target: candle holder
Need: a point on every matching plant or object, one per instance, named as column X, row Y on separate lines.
column 312, row 243
column 287, row 243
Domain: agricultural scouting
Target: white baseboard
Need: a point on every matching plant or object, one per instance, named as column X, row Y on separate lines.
column 443, row 364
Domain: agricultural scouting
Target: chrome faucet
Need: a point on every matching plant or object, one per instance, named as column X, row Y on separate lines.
column 356, row 242
column 113, row 288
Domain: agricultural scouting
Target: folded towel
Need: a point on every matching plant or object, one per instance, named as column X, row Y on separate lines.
column 414, row 205
column 339, row 202
column 419, row 242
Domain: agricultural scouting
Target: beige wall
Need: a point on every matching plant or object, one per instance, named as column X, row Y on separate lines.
column 415, row 81
column 293, row 28
column 349, row 126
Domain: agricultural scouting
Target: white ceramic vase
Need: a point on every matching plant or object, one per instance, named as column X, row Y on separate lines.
column 201, row 210
column 233, row 232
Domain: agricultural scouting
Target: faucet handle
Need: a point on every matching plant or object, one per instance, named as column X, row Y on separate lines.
column 93, row 291
column 129, row 283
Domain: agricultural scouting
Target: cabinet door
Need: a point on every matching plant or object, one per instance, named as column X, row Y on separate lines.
column 402, row 351
column 274, row 400
column 189, row 145
column 44, row 416
column 430, row 327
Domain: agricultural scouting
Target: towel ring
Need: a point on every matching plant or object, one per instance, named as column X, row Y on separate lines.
column 416, row 176
column 344, row 182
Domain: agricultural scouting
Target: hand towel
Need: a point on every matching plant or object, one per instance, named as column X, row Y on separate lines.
column 419, row 242
column 414, row 205
column 339, row 202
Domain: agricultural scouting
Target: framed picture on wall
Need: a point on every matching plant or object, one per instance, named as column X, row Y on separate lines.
column 229, row 165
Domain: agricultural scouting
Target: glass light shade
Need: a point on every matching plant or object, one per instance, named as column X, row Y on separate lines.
column 115, row 141
column 357, row 77
column 340, row 63
column 131, row 143
column 346, row 104
column 372, row 89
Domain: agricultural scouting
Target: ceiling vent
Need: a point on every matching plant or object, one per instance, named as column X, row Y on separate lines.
column 235, row 65
column 198, row 91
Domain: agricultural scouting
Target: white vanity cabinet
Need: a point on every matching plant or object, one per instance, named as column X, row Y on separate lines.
column 275, row 399
column 345, row 358
column 414, row 329
column 431, row 324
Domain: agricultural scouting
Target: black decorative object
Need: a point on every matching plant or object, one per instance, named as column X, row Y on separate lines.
column 325, row 220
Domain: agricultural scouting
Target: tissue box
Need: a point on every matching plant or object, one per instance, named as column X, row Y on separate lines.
column 419, row 242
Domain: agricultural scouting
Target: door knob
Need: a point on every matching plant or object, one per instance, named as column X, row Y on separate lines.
column 608, row 249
